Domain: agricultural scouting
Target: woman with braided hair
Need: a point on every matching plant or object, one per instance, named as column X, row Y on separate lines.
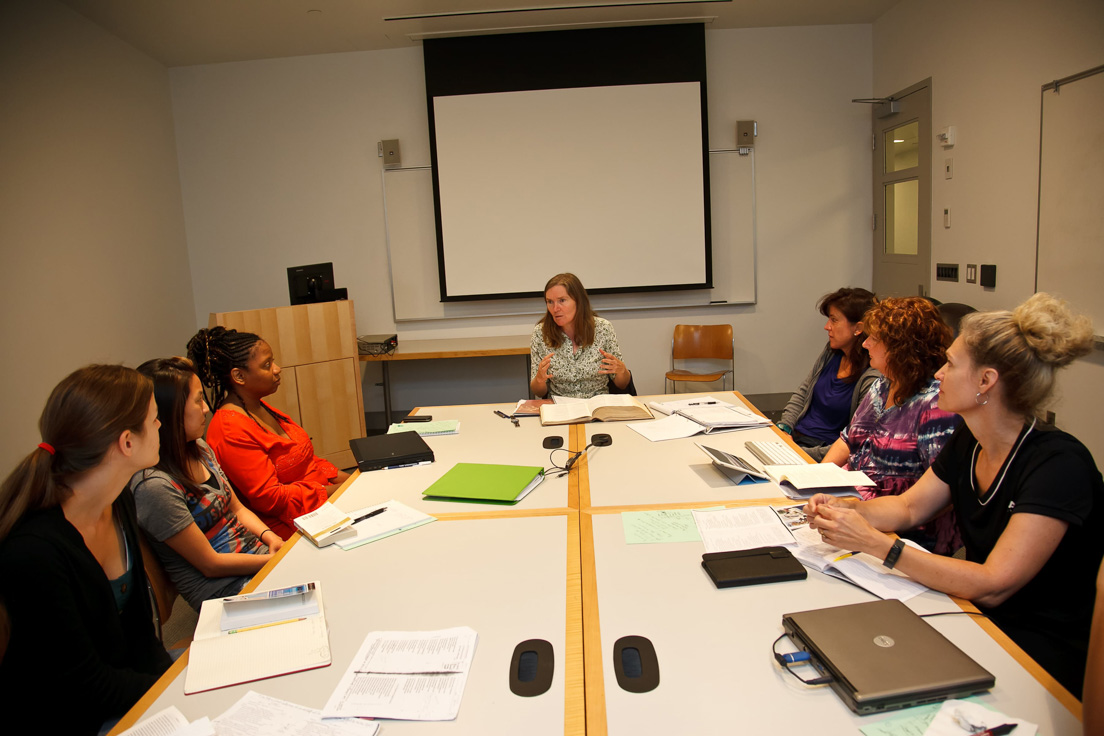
column 269, row 458
column 71, row 574
column 1028, row 499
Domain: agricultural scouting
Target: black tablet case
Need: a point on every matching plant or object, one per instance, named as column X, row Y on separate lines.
column 752, row 566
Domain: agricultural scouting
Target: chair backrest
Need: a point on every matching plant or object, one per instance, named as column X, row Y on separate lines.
column 161, row 585
column 953, row 312
column 702, row 341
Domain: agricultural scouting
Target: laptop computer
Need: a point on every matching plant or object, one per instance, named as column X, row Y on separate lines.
column 390, row 451
column 882, row 656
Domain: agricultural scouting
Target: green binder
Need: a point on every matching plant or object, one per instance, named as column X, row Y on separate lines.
column 480, row 483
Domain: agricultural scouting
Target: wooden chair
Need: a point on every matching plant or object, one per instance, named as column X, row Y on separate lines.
column 163, row 591
column 705, row 342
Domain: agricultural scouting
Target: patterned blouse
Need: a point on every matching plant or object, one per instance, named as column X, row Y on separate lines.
column 895, row 446
column 575, row 374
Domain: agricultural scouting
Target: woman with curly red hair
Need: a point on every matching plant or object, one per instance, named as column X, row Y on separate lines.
column 898, row 429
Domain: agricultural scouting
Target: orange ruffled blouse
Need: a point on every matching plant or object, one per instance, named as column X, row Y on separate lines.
column 279, row 478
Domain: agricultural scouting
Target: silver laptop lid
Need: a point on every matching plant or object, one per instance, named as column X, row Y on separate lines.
column 884, row 656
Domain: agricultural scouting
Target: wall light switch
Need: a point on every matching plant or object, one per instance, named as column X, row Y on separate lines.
column 971, row 273
column 948, row 168
column 946, row 217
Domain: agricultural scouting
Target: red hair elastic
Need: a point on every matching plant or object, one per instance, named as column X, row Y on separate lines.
column 47, row 447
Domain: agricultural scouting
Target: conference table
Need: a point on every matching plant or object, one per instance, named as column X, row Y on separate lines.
column 557, row 567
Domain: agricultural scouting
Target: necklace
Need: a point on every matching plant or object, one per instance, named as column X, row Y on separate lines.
column 1004, row 470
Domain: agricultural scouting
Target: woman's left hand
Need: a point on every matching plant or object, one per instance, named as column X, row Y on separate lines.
column 846, row 528
column 612, row 366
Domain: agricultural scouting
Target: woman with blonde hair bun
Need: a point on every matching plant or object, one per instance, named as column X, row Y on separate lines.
column 1027, row 498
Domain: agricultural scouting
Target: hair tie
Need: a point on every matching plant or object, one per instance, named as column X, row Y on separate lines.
column 47, row 447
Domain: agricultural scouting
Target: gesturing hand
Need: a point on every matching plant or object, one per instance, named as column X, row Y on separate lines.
column 543, row 374
column 611, row 365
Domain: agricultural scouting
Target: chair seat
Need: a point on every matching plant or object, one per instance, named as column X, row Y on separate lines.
column 684, row 375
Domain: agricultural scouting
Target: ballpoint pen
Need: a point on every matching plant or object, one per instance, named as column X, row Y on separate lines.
column 501, row 414
column 369, row 515
column 1000, row 730
column 702, row 403
column 844, row 556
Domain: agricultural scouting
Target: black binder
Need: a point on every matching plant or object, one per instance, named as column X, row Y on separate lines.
column 752, row 566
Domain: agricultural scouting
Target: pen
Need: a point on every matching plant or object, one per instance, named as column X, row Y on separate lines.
column 702, row 403
column 504, row 416
column 1000, row 730
column 265, row 626
column 844, row 556
column 370, row 514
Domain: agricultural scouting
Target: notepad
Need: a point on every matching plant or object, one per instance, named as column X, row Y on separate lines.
column 220, row 659
column 428, row 429
column 482, row 483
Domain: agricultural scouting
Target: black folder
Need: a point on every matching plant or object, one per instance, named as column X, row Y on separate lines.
column 752, row 566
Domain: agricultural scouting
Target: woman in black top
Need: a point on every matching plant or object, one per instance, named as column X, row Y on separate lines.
column 71, row 573
column 1028, row 499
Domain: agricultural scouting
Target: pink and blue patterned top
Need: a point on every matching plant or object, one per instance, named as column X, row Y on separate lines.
column 895, row 445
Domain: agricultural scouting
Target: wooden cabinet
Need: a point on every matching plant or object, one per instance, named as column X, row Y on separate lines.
column 315, row 345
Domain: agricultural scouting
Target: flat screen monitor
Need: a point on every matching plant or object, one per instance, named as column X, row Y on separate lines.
column 312, row 284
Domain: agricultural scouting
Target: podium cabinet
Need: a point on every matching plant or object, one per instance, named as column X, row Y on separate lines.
column 315, row 346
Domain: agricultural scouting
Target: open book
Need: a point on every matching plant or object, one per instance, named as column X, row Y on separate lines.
column 290, row 638
column 600, row 408
column 802, row 481
column 861, row 569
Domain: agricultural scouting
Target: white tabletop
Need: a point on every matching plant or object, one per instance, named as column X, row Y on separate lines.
column 480, row 573
column 717, row 674
column 634, row 470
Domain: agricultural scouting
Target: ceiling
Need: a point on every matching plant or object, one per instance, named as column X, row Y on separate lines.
column 188, row 32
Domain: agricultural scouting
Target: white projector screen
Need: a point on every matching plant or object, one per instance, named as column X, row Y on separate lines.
column 606, row 182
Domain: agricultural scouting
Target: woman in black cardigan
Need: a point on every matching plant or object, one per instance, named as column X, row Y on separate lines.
column 82, row 648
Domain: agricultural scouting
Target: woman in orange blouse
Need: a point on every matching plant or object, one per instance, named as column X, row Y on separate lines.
column 268, row 457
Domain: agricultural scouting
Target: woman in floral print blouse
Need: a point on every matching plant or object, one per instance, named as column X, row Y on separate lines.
column 574, row 351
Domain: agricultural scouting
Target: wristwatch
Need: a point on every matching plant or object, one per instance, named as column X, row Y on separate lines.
column 894, row 553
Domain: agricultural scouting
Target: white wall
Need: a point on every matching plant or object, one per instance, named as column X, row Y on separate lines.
column 278, row 168
column 91, row 224
column 988, row 60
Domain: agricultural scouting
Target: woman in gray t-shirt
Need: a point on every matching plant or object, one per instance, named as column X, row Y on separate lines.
column 208, row 541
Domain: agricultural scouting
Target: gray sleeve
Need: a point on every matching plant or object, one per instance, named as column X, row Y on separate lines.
column 801, row 398
column 162, row 510
column 862, row 386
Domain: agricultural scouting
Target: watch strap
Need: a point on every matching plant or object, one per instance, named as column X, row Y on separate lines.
column 894, row 553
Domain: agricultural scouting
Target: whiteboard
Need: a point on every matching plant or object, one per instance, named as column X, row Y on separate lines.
column 1070, row 248
column 412, row 250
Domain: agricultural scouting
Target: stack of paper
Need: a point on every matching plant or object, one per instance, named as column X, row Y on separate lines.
column 699, row 415
column 427, row 429
column 261, row 715
column 278, row 647
column 325, row 525
column 408, row 675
